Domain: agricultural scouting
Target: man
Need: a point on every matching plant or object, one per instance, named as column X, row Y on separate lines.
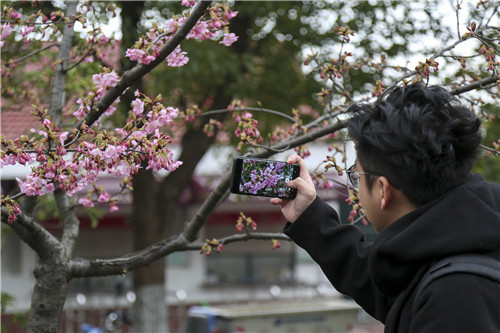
column 415, row 151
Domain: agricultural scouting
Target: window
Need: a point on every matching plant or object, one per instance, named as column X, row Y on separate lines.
column 250, row 268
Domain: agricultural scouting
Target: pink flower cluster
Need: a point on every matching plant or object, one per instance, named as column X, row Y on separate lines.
column 6, row 31
column 12, row 208
column 103, row 82
column 247, row 130
column 96, row 154
column 245, row 222
column 148, row 47
column 210, row 246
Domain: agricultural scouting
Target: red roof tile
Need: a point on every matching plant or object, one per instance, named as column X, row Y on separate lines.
column 16, row 122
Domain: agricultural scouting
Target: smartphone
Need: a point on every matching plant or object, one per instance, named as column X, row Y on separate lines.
column 259, row 177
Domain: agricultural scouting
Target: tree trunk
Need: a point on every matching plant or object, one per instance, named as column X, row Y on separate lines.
column 48, row 298
column 149, row 282
column 151, row 307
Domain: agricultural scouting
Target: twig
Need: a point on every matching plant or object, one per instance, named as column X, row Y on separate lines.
column 212, row 112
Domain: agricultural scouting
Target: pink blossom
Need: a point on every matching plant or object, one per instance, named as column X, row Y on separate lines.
column 134, row 54
column 147, row 59
column 158, row 119
column 173, row 25
column 103, row 40
column 113, row 207
column 82, row 110
column 80, row 113
column 32, row 185
column 50, row 175
column 39, row 132
column 111, row 109
column 177, row 58
column 62, row 137
column 50, row 187
column 106, row 80
column 215, row 24
column 328, row 184
column 229, row 15
column 101, row 56
column 200, row 30
column 27, row 30
column 62, row 177
column 173, row 166
column 86, row 202
column 6, row 31
column 188, row 3
column 138, row 135
column 122, row 132
column 12, row 217
column 103, row 197
column 16, row 15
column 140, row 56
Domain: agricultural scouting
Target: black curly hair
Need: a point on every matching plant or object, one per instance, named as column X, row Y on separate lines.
column 419, row 138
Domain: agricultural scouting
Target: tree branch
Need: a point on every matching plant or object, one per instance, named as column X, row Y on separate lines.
column 57, row 96
column 70, row 222
column 242, row 237
column 100, row 267
column 83, row 267
column 476, row 85
column 212, row 112
column 39, row 239
column 23, row 58
column 132, row 75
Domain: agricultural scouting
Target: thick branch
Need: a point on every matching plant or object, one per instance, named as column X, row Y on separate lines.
column 40, row 240
column 132, row 75
column 70, row 222
column 101, row 267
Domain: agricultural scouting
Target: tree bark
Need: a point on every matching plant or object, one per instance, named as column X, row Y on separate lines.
column 48, row 298
column 150, row 306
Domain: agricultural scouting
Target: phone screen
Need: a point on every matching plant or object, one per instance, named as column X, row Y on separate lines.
column 253, row 176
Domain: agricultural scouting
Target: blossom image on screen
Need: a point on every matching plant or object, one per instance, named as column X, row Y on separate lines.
column 265, row 178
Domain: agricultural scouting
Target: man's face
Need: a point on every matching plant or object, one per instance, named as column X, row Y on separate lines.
column 370, row 200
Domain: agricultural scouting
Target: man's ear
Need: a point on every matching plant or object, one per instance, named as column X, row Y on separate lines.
column 386, row 192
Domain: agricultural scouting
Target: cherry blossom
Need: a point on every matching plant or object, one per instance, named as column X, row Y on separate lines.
column 229, row 39
column 119, row 152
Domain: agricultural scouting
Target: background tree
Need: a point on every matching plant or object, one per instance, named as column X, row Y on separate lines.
column 349, row 69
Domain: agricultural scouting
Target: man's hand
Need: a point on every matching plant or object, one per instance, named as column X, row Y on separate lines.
column 306, row 192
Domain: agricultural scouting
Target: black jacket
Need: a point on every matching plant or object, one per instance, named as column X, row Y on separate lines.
column 381, row 276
